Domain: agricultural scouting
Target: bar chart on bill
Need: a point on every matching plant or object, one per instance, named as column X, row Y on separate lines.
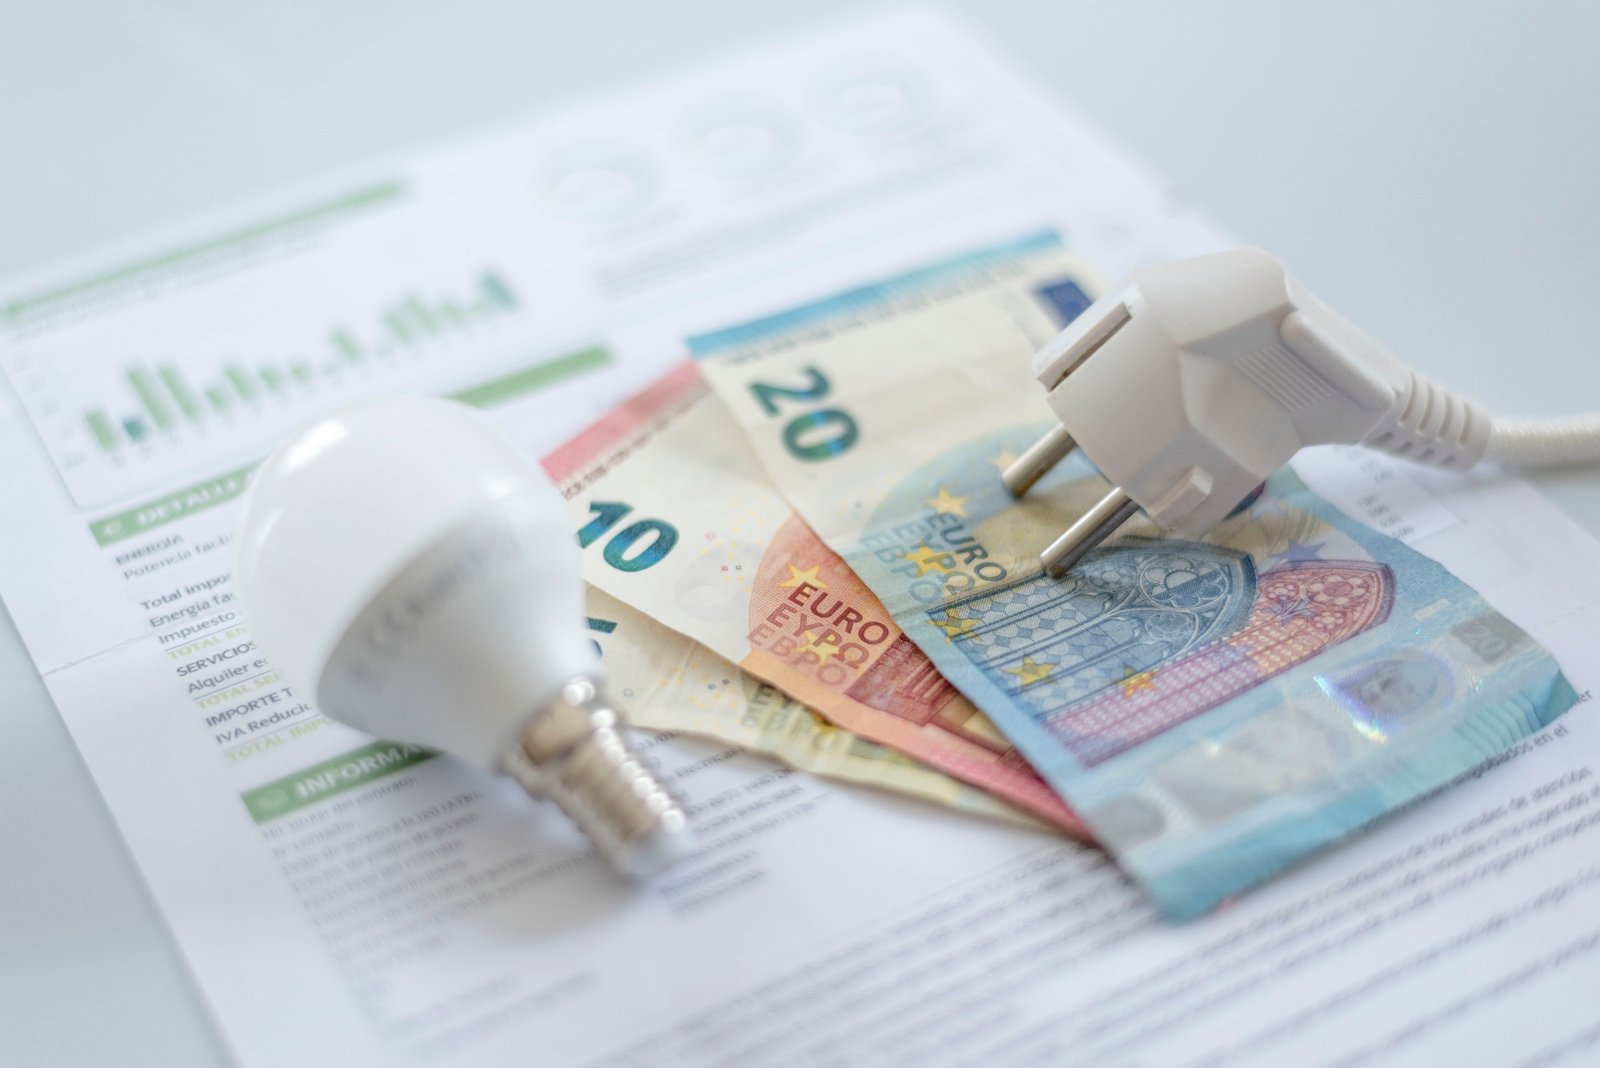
column 162, row 398
column 120, row 413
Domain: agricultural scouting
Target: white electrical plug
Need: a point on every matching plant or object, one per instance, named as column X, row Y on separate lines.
column 1192, row 381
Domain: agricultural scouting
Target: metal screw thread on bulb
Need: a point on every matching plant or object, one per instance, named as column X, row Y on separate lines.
column 573, row 752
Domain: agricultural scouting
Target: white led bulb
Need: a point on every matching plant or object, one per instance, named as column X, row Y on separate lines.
column 413, row 572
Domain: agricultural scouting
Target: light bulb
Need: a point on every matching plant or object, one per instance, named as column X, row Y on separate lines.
column 413, row 572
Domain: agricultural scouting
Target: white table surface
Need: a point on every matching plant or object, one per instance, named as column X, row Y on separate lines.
column 1432, row 170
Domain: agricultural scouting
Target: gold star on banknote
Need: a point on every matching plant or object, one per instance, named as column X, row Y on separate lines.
column 1134, row 681
column 1031, row 671
column 947, row 503
column 927, row 560
column 1004, row 460
column 808, row 576
column 955, row 626
column 817, row 647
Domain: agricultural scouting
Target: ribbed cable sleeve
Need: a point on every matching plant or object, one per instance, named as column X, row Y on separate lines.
column 1548, row 442
column 1434, row 426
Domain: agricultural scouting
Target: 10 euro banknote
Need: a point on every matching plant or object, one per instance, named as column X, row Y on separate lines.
column 1214, row 710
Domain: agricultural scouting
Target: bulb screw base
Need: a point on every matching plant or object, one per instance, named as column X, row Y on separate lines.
column 572, row 751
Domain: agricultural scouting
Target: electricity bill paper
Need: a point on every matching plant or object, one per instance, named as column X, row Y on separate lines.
column 341, row 898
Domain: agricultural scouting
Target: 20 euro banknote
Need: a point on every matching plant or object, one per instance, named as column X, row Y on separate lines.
column 670, row 682
column 1214, row 710
column 678, row 520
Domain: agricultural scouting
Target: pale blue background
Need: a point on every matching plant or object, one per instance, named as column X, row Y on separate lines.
column 1432, row 170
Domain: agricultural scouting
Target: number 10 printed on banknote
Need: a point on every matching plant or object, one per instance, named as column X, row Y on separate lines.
column 1214, row 711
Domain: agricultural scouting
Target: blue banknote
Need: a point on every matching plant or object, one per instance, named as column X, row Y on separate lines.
column 1216, row 711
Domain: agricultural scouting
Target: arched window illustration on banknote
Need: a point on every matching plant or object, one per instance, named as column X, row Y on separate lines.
column 1146, row 635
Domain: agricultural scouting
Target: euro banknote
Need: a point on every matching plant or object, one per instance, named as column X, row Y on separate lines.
column 678, row 520
column 669, row 682
column 1214, row 710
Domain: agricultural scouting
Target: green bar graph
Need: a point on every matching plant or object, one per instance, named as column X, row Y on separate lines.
column 103, row 429
column 188, row 404
column 144, row 387
column 165, row 398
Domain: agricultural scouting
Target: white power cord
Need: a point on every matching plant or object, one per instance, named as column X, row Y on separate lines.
column 1553, row 442
column 1192, row 381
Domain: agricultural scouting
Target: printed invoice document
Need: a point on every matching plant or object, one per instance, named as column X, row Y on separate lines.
column 343, row 899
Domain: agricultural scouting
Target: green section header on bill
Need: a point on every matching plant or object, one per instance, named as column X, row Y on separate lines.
column 170, row 506
column 344, row 773
column 534, row 378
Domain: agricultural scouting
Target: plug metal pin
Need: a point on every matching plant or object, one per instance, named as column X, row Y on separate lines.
column 1092, row 528
column 1020, row 475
